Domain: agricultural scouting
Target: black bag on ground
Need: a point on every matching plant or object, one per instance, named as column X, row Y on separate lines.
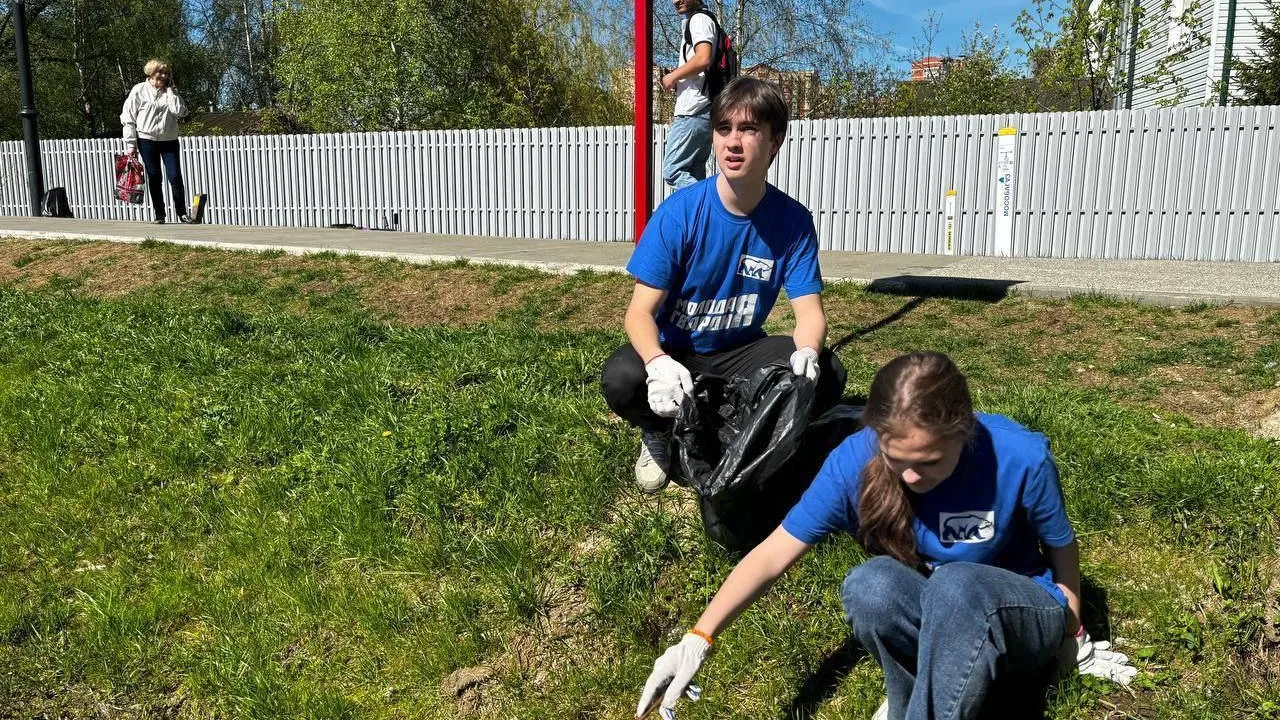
column 54, row 204
column 746, row 446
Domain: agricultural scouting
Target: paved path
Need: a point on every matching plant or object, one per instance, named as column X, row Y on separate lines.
column 1153, row 281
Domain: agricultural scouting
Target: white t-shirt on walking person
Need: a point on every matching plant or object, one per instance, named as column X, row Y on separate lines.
column 689, row 97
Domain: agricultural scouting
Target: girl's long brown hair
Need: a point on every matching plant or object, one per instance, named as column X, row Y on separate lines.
column 922, row 390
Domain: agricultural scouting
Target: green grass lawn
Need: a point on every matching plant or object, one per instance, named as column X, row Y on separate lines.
column 251, row 486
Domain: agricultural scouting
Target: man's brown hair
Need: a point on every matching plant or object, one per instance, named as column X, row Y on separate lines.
column 758, row 99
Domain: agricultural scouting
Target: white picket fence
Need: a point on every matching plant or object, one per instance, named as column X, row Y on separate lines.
column 1184, row 183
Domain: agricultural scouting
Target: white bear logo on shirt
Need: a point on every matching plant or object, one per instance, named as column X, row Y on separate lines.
column 755, row 268
column 974, row 526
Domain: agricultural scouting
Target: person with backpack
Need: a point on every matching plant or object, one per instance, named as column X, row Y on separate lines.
column 972, row 596
column 708, row 270
column 150, row 119
column 695, row 83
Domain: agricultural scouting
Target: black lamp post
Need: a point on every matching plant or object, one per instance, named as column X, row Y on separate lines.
column 30, row 135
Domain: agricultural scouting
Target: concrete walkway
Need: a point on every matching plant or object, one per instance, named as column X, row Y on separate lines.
column 1153, row 281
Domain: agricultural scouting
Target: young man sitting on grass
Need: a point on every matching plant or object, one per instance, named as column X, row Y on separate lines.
column 708, row 270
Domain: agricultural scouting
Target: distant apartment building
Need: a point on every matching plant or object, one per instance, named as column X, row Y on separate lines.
column 799, row 87
column 929, row 68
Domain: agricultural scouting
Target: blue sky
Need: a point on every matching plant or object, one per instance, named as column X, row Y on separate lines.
column 903, row 20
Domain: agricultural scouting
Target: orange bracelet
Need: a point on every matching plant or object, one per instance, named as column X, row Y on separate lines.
column 704, row 636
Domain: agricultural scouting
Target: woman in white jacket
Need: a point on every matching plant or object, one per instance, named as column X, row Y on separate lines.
column 150, row 119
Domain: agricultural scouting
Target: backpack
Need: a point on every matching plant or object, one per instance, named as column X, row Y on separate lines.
column 54, row 204
column 724, row 58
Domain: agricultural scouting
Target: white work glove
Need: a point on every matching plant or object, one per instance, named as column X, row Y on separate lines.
column 668, row 382
column 805, row 362
column 672, row 673
column 1094, row 658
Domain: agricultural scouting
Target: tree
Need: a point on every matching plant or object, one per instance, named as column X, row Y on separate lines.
column 409, row 64
column 1259, row 77
column 242, row 44
column 865, row 91
column 86, row 54
column 1077, row 62
column 824, row 35
column 831, row 37
column 398, row 65
column 976, row 81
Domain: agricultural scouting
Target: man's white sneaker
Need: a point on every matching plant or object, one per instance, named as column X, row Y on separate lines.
column 882, row 712
column 653, row 463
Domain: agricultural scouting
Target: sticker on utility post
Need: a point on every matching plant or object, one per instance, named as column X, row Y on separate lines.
column 951, row 222
column 1006, row 143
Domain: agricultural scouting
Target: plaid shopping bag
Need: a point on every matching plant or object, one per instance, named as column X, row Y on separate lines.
column 129, row 178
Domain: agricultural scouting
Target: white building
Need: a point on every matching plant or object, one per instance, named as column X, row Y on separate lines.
column 1214, row 33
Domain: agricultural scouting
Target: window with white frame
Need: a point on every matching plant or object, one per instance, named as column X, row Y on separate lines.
column 1179, row 30
column 1098, row 38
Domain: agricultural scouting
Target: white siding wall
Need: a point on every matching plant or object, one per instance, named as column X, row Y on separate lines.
column 1202, row 70
column 1194, row 73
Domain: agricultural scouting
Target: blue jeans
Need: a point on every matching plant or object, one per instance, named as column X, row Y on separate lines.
column 943, row 641
column 153, row 152
column 688, row 147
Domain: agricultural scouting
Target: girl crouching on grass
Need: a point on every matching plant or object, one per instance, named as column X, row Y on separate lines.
column 976, row 574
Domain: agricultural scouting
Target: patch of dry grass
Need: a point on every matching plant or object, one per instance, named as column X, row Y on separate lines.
column 1180, row 361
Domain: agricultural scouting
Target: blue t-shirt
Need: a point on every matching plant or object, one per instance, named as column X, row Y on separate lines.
column 722, row 272
column 1001, row 503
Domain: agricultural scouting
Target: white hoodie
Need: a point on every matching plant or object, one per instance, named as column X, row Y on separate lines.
column 151, row 114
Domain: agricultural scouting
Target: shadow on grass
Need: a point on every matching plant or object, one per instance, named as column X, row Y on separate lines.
column 954, row 288
column 822, row 685
column 1093, row 601
column 925, row 288
column 886, row 321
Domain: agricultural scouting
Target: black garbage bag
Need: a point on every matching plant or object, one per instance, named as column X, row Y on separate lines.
column 55, row 204
column 733, row 431
column 747, row 447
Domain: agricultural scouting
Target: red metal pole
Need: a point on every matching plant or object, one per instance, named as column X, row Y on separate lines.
column 643, row 150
